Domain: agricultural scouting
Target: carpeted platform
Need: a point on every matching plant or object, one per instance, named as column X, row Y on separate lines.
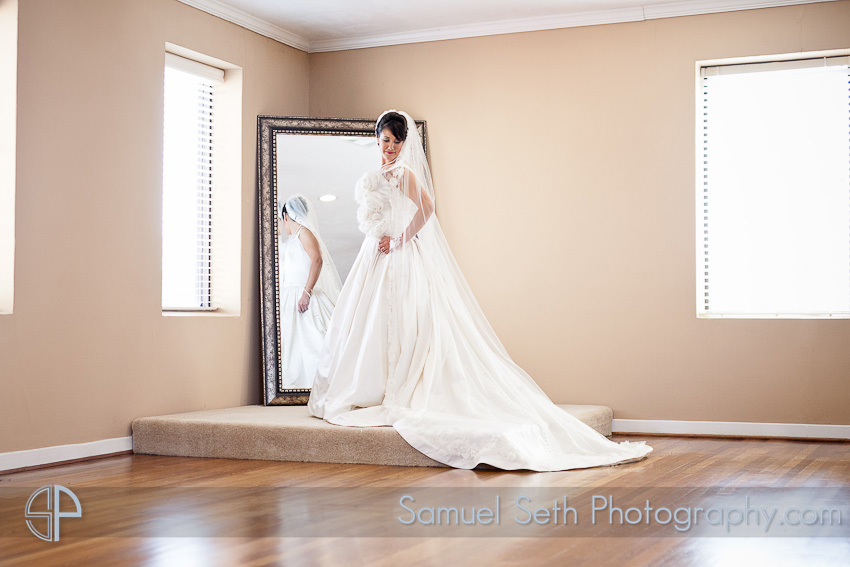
column 289, row 433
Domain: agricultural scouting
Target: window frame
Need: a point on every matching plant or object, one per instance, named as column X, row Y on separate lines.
column 226, row 235
column 8, row 152
column 700, row 183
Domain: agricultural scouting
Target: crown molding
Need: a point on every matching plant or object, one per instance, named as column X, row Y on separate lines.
column 578, row 19
column 249, row 22
column 697, row 7
column 499, row 27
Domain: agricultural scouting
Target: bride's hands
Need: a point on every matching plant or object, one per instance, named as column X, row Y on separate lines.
column 387, row 244
column 304, row 302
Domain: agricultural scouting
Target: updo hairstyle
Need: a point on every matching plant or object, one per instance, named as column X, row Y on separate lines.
column 396, row 124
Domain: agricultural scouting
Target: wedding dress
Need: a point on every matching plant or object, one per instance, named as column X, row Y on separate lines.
column 302, row 334
column 409, row 347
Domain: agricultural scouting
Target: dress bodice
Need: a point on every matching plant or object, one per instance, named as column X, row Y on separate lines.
column 401, row 207
column 296, row 263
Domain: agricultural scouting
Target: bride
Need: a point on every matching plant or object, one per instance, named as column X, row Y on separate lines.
column 409, row 347
column 309, row 290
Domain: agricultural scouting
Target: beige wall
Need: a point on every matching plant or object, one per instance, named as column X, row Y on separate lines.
column 87, row 350
column 564, row 167
column 564, row 170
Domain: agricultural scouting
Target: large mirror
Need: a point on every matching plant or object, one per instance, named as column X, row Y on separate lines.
column 321, row 159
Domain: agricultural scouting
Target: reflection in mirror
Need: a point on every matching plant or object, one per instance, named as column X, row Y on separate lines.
column 324, row 169
column 315, row 180
column 321, row 159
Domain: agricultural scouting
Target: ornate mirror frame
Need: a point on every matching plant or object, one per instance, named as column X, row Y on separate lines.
column 268, row 130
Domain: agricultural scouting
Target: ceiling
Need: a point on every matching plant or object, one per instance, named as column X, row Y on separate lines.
column 333, row 25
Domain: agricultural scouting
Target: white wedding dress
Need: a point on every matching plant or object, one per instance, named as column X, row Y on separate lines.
column 302, row 334
column 409, row 347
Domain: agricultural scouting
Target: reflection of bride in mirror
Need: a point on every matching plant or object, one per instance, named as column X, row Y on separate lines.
column 409, row 347
column 309, row 290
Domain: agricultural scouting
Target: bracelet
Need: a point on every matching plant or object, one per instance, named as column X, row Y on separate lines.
column 309, row 291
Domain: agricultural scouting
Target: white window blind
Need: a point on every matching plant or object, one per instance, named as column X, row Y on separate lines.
column 773, row 200
column 188, row 182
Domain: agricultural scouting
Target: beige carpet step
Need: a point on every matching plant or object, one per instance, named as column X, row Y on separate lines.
column 290, row 433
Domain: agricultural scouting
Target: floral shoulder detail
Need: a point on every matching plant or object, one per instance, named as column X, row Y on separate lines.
column 394, row 175
column 372, row 192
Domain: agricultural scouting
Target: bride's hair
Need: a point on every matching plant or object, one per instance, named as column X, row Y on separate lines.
column 396, row 124
column 297, row 203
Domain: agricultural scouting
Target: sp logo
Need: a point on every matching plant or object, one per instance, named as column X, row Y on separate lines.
column 51, row 514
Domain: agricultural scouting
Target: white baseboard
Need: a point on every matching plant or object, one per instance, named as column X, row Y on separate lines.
column 59, row 453
column 743, row 428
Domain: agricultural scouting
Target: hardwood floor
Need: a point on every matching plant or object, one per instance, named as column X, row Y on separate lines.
column 162, row 511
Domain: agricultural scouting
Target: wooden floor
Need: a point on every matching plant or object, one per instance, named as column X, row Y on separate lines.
column 676, row 466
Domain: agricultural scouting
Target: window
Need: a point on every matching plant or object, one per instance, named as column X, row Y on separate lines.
column 188, row 184
column 773, row 190
column 8, row 133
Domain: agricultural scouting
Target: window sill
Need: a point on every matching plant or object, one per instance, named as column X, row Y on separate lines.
column 198, row 313
column 773, row 315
